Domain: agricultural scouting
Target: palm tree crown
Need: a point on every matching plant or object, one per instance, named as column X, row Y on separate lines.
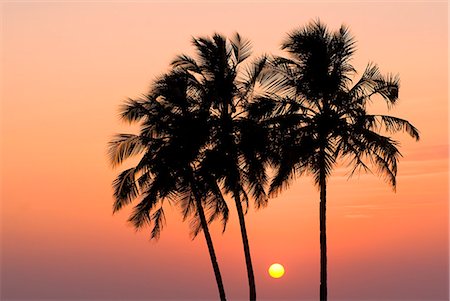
column 235, row 150
column 319, row 116
column 170, row 143
column 316, row 115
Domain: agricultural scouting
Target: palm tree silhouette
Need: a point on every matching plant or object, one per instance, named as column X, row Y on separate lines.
column 170, row 142
column 317, row 116
column 234, row 154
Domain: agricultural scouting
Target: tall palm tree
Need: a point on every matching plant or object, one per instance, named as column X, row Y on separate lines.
column 170, row 143
column 234, row 155
column 318, row 116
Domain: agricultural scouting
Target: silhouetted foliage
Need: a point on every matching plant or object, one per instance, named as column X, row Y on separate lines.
column 317, row 116
column 171, row 144
column 236, row 147
column 215, row 123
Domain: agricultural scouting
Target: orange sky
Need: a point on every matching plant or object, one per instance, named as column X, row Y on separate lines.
column 66, row 67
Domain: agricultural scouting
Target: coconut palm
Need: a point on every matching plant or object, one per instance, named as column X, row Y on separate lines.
column 170, row 142
column 235, row 152
column 318, row 116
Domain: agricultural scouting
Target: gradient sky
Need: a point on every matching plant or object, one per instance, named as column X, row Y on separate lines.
column 66, row 67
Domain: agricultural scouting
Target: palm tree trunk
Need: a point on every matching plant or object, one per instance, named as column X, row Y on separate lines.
column 248, row 259
column 212, row 253
column 323, row 238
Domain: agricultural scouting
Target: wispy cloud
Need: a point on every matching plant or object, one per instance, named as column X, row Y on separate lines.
column 427, row 153
column 357, row 216
column 364, row 206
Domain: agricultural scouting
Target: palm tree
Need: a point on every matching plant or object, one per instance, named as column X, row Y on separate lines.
column 170, row 144
column 235, row 153
column 318, row 116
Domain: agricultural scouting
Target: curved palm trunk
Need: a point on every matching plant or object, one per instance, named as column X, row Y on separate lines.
column 323, row 238
column 212, row 253
column 248, row 259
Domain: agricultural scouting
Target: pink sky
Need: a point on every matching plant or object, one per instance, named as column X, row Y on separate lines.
column 66, row 67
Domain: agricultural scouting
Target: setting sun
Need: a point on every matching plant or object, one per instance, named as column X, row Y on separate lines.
column 276, row 270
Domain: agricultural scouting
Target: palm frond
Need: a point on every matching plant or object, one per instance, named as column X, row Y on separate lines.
column 381, row 150
column 281, row 76
column 145, row 178
column 140, row 216
column 212, row 54
column 195, row 226
column 186, row 62
column 303, row 41
column 217, row 206
column 394, row 124
column 187, row 203
column 244, row 199
column 275, row 109
column 242, row 48
column 256, row 179
column 124, row 146
column 133, row 110
column 215, row 201
column 294, row 154
column 387, row 167
column 388, row 88
column 159, row 220
column 373, row 83
column 366, row 82
column 252, row 74
column 257, row 189
column 343, row 45
column 346, row 147
column 125, row 189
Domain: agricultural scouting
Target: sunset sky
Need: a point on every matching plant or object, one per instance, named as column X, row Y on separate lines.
column 67, row 66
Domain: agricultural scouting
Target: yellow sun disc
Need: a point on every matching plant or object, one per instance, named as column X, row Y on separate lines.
column 276, row 270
